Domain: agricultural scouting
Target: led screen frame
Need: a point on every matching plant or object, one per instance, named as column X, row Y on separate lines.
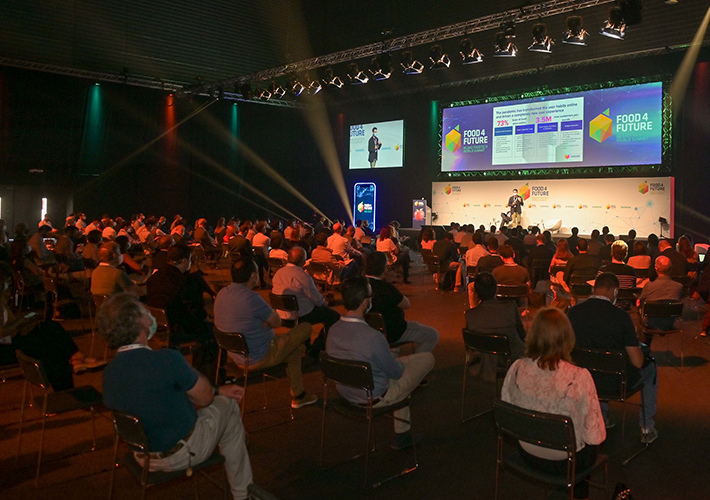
column 393, row 144
column 358, row 199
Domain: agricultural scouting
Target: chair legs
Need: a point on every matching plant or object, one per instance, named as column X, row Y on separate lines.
column 623, row 425
column 114, row 466
column 41, row 439
column 22, row 416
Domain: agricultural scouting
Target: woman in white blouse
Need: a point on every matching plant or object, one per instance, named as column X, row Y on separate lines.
column 546, row 380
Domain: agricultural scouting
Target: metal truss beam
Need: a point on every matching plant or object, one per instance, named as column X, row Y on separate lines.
column 492, row 21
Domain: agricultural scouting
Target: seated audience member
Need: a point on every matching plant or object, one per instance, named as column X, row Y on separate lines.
column 518, row 245
column 546, row 380
column 599, row 324
column 594, row 245
column 350, row 235
column 476, row 252
column 572, row 241
column 664, row 289
column 202, row 236
column 605, row 251
column 540, row 253
column 161, row 389
column 146, row 232
column 324, row 255
column 491, row 261
column 277, row 252
column 43, row 255
column 631, row 241
column 640, row 260
column 20, row 260
column 219, row 231
column 467, row 238
column 90, row 253
column 394, row 379
column 548, row 241
column 428, row 239
column 390, row 302
column 652, row 247
column 129, row 264
column 510, row 273
column 530, row 239
column 388, row 244
column 261, row 241
column 560, row 259
column 239, row 246
column 106, row 279
column 685, row 248
column 312, row 306
column 449, row 259
column 494, row 317
column 679, row 263
column 108, row 234
column 359, row 233
column 501, row 235
column 160, row 257
column 338, row 243
column 625, row 273
column 583, row 263
column 238, row 308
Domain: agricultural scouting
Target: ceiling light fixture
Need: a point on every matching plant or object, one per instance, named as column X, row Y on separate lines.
column 575, row 34
column 411, row 66
column 439, row 59
column 356, row 76
column 505, row 42
column 541, row 41
column 614, row 26
column 469, row 53
column 330, row 78
column 381, row 67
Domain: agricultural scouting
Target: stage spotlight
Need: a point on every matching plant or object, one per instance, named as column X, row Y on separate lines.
column 410, row 66
column 670, row 2
column 575, row 34
column 439, row 60
column 614, row 26
column 541, row 41
column 277, row 91
column 504, row 42
column 356, row 76
column 314, row 87
column 262, row 93
column 246, row 91
column 296, row 86
column 329, row 78
column 381, row 67
column 469, row 53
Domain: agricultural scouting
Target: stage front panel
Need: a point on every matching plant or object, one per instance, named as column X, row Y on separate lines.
column 620, row 203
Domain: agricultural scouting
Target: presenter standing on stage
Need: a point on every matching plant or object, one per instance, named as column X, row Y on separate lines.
column 515, row 203
column 373, row 146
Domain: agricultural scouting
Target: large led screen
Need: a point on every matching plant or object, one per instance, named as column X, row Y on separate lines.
column 605, row 127
column 377, row 145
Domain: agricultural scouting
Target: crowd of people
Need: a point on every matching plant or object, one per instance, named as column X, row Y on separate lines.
column 146, row 263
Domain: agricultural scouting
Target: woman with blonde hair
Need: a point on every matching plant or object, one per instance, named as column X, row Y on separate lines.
column 546, row 380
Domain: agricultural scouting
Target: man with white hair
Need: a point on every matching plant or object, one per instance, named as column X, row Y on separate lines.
column 340, row 245
column 663, row 288
column 679, row 263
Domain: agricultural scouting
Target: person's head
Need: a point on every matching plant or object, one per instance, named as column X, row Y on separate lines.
column 535, row 230
column 540, row 238
column 595, row 234
column 664, row 245
column 493, row 229
column 506, row 253
column 297, row 256
column 108, row 233
column 582, row 245
column 575, row 231
column 180, row 257
column 619, row 249
column 547, row 235
column 322, row 239
column 632, row 234
column 350, row 231
column 685, row 247
column 663, row 265
column 110, row 253
column 165, row 242
column 477, row 238
column 374, row 130
column 44, row 229
column 563, row 250
column 485, row 286
column 639, row 248
column 376, row 264
column 605, row 230
column 385, row 232
column 123, row 320
column 337, row 228
column 449, row 237
column 202, row 222
column 244, row 271
column 515, row 191
column 123, row 243
column 607, row 285
column 550, row 340
column 357, row 294
column 70, row 232
column 609, row 239
column 427, row 234
column 18, row 249
column 493, row 245
column 94, row 237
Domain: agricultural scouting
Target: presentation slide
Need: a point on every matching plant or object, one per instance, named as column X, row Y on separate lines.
column 605, row 127
column 382, row 147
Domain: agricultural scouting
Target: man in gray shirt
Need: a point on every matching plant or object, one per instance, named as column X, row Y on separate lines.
column 394, row 379
column 663, row 288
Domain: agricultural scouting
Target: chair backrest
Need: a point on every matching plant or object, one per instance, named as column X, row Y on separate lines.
column 541, row 264
column 285, row 302
column 231, row 342
column 433, row 263
column 49, row 284
column 511, row 291
column 662, row 309
column 130, row 429
column 610, row 365
column 472, row 271
column 548, row 430
column 99, row 300
column 642, row 273
column 32, row 370
column 161, row 317
column 627, row 293
column 486, row 343
column 582, row 276
column 275, row 263
column 426, row 252
column 557, row 269
column 376, row 321
column 357, row 374
column 683, row 280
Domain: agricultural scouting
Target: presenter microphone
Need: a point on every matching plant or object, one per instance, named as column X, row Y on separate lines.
column 515, row 203
column 373, row 146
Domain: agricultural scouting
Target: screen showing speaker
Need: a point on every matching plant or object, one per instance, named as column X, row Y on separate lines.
column 377, row 145
column 605, row 127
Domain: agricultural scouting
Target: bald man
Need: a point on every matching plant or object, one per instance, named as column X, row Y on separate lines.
column 106, row 279
column 663, row 288
column 340, row 245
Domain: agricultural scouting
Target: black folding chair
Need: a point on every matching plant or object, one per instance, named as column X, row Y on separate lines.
column 377, row 321
column 494, row 345
column 287, row 303
column 358, row 375
column 609, row 370
column 664, row 309
column 539, row 270
column 52, row 403
column 130, row 429
column 554, row 432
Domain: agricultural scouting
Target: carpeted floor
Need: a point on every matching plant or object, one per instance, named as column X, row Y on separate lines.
column 456, row 460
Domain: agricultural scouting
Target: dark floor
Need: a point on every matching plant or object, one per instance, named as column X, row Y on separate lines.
column 456, row 460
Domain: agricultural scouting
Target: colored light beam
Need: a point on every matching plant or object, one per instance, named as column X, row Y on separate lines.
column 681, row 80
column 92, row 142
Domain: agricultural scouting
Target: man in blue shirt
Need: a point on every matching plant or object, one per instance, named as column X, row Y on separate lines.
column 161, row 389
column 394, row 379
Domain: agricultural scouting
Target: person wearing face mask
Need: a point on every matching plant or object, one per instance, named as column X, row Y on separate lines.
column 106, row 279
column 599, row 324
column 352, row 338
column 161, row 389
column 238, row 308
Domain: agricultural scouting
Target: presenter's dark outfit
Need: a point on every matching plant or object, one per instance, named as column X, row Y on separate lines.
column 373, row 146
column 515, row 203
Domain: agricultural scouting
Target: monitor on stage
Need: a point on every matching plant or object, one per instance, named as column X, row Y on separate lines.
column 377, row 145
column 614, row 126
column 365, row 204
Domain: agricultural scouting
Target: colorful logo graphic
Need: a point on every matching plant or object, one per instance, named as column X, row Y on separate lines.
column 453, row 139
column 419, row 214
column 643, row 187
column 566, row 157
column 600, row 128
column 447, row 190
column 524, row 191
column 361, row 207
column 396, row 147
